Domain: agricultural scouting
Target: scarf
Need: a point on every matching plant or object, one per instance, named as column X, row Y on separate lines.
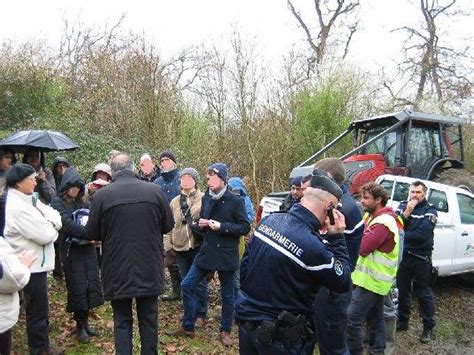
column 216, row 196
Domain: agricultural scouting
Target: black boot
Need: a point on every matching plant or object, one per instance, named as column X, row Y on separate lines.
column 426, row 336
column 81, row 333
column 90, row 331
column 402, row 326
column 175, row 284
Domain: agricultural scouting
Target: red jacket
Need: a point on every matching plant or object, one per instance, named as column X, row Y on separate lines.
column 377, row 236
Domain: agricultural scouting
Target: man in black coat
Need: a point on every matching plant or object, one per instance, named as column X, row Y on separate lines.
column 130, row 217
column 223, row 220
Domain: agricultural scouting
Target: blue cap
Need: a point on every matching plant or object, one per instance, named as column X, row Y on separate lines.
column 296, row 181
column 220, row 169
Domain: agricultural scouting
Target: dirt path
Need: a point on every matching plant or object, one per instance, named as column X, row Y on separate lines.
column 455, row 320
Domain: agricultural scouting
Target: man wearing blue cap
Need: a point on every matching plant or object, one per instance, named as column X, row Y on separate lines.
column 223, row 220
column 296, row 193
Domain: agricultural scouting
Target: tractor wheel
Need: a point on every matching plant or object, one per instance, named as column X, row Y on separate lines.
column 456, row 177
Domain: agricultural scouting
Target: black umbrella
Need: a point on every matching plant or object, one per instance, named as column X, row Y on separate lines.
column 45, row 141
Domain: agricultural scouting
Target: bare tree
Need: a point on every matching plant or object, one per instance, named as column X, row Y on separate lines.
column 331, row 15
column 434, row 68
column 78, row 41
column 211, row 86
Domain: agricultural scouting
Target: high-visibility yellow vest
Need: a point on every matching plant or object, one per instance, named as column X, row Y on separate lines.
column 377, row 271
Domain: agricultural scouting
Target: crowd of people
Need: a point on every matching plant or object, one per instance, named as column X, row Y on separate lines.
column 321, row 272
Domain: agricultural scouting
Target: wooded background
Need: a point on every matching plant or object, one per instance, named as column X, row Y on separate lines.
column 110, row 89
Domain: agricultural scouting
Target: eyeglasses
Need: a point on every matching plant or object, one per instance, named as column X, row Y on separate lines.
column 164, row 159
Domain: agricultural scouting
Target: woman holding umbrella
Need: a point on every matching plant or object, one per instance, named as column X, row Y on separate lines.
column 44, row 179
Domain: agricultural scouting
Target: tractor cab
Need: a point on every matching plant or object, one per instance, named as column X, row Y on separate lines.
column 406, row 143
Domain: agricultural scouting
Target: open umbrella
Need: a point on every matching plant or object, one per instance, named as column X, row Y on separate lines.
column 45, row 141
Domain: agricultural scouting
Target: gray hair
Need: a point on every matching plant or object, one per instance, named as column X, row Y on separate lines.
column 121, row 162
column 112, row 154
column 145, row 156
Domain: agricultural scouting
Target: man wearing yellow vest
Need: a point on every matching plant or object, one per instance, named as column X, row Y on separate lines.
column 375, row 270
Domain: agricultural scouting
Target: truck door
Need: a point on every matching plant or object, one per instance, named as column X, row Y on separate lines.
column 464, row 257
column 444, row 233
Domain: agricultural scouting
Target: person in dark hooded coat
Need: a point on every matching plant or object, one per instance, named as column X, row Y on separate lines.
column 79, row 255
column 59, row 167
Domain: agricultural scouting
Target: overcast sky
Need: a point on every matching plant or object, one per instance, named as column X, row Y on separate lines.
column 176, row 24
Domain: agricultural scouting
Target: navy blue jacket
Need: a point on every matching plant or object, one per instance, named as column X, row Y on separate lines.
column 220, row 249
column 285, row 264
column 419, row 228
column 169, row 183
column 354, row 225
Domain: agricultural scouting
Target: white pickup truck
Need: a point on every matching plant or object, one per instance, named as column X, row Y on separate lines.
column 454, row 233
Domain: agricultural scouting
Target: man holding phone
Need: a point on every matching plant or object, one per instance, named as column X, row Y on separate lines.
column 284, row 265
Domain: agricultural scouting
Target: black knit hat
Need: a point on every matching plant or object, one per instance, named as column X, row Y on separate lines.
column 17, row 173
column 168, row 154
column 326, row 184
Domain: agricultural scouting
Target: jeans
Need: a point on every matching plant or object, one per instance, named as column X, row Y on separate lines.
column 417, row 270
column 189, row 286
column 37, row 310
column 185, row 260
column 147, row 312
column 365, row 305
column 249, row 345
column 330, row 320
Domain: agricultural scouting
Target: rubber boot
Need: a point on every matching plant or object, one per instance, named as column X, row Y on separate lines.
column 90, row 331
column 81, row 333
column 175, row 284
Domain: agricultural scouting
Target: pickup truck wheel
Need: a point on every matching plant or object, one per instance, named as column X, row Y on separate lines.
column 456, row 177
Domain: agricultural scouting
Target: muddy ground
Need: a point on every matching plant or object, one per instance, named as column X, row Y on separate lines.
column 454, row 332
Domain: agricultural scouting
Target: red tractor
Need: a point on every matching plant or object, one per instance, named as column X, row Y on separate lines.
column 414, row 144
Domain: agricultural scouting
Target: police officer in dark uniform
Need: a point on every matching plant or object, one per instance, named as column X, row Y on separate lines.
column 419, row 218
column 284, row 265
column 330, row 308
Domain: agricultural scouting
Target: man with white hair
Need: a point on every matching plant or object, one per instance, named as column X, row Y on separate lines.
column 147, row 172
